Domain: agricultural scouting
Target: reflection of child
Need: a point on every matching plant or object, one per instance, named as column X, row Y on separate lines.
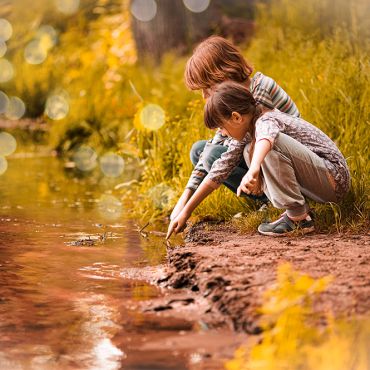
column 220, row 160
column 296, row 158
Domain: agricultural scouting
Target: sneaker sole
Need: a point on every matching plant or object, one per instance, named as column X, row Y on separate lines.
column 306, row 230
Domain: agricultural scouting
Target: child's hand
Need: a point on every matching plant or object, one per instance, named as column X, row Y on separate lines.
column 248, row 183
column 178, row 224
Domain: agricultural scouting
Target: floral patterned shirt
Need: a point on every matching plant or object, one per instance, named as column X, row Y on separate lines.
column 269, row 125
column 267, row 93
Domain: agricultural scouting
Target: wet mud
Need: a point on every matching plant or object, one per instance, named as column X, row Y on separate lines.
column 217, row 278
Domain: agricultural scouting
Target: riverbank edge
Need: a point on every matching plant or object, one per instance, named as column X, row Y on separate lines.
column 218, row 277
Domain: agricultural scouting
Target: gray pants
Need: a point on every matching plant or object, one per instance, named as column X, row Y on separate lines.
column 292, row 171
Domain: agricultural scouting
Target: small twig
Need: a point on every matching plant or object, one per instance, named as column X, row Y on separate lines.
column 143, row 234
column 145, row 226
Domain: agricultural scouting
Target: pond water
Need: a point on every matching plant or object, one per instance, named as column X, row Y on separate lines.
column 64, row 305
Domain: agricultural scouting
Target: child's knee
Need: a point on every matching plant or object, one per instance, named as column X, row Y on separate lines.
column 196, row 150
column 211, row 154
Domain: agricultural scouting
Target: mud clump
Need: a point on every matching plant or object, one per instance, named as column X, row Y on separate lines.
column 223, row 275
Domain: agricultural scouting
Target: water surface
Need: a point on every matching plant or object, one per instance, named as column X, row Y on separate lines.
column 64, row 305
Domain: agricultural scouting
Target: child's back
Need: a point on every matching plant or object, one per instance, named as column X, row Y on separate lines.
column 272, row 123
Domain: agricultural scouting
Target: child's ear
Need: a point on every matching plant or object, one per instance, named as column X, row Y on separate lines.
column 236, row 117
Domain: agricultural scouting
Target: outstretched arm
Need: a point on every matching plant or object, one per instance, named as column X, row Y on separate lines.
column 186, row 195
column 178, row 223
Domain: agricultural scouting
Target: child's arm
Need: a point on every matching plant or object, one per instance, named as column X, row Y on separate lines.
column 186, row 195
column 218, row 173
column 197, row 176
column 249, row 180
column 179, row 222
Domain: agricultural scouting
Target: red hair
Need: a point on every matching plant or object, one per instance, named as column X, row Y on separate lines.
column 213, row 61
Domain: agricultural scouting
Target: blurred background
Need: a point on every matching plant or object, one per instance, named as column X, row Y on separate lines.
column 101, row 82
column 96, row 126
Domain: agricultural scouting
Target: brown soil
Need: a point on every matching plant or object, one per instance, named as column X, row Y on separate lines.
column 217, row 278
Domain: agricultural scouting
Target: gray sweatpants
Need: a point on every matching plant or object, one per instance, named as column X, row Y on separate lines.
column 291, row 171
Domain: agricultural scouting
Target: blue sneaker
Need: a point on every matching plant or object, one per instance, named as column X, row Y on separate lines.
column 284, row 226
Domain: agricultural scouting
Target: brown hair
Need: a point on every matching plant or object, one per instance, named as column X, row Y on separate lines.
column 229, row 97
column 213, row 61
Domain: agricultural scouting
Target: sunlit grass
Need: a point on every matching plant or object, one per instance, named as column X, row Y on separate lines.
column 324, row 67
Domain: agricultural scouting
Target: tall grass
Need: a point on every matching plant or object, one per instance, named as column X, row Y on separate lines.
column 317, row 51
column 326, row 71
column 323, row 63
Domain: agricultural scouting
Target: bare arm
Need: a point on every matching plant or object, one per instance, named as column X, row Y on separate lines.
column 179, row 222
column 249, row 180
column 186, row 195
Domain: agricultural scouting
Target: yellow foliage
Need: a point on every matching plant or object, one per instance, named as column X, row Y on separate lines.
column 137, row 120
column 291, row 339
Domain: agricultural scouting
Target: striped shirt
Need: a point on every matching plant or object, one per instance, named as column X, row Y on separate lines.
column 267, row 93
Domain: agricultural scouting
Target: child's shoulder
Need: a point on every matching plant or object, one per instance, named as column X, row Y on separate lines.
column 261, row 80
column 275, row 115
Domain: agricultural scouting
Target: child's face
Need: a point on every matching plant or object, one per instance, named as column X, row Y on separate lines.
column 237, row 126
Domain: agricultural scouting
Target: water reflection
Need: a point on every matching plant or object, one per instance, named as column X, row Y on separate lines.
column 101, row 328
column 66, row 306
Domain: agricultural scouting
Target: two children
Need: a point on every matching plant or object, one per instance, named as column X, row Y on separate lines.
column 220, row 160
column 241, row 110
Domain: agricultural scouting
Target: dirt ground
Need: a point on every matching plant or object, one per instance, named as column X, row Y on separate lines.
column 217, row 278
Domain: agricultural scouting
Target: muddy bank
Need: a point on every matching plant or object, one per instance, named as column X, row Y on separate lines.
column 218, row 277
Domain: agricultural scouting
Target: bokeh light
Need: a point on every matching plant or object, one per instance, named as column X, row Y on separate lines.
column 8, row 144
column 112, row 165
column 57, row 106
column 16, row 108
column 144, row 10
column 67, row 6
column 47, row 36
column 109, row 207
column 4, row 101
column 152, row 117
column 6, row 70
column 6, row 29
column 196, row 6
column 162, row 196
column 3, row 48
column 35, row 53
column 3, row 165
column 85, row 158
